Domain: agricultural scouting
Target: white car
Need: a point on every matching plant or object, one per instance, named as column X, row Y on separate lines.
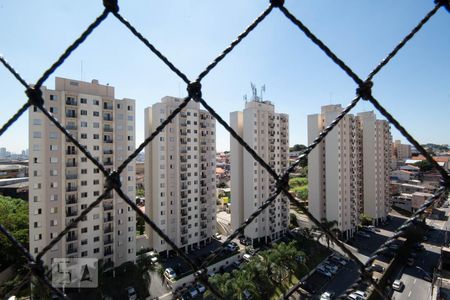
column 327, row 296
column 170, row 274
column 398, row 285
column 217, row 236
column 246, row 257
column 361, row 294
column 354, row 296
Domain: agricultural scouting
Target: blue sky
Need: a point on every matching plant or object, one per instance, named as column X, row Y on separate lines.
column 299, row 78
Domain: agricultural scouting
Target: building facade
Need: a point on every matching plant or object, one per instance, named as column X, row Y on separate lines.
column 401, row 151
column 348, row 172
column 180, row 184
column 63, row 181
column 267, row 133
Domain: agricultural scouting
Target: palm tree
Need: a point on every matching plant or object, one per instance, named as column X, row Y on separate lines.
column 242, row 282
column 221, row 282
column 330, row 226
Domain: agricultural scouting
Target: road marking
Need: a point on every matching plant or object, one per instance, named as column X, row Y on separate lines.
column 409, row 295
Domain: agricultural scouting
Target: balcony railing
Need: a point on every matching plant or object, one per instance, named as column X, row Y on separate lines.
column 71, row 114
column 72, row 250
column 71, row 101
column 71, row 176
column 108, row 141
column 71, row 164
column 108, row 229
column 71, row 200
column 108, row 151
column 108, row 163
column 107, row 129
column 107, row 207
column 71, row 127
column 71, row 189
column 108, row 241
column 108, row 106
column 107, row 118
column 108, row 252
column 108, row 219
column 71, row 237
column 71, row 152
column 71, row 213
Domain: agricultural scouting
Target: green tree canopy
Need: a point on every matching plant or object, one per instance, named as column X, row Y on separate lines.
column 14, row 217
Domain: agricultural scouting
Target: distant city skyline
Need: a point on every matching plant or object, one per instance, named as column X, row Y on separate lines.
column 299, row 78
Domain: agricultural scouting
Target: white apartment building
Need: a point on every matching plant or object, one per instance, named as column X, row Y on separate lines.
column 348, row 172
column 267, row 133
column 334, row 172
column 180, row 184
column 63, row 181
column 376, row 155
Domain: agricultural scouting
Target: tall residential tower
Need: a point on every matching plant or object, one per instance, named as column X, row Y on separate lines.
column 63, row 181
column 348, row 171
column 180, row 186
column 267, row 133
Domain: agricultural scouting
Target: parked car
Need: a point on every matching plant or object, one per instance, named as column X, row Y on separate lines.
column 377, row 268
column 338, row 260
column 354, row 296
column 217, row 236
column 131, row 293
column 246, row 257
column 193, row 292
column 250, row 250
column 332, row 268
column 327, row 296
column 398, row 285
column 245, row 240
column 363, row 234
column 324, row 272
column 362, row 294
column 232, row 247
column 201, row 288
column 169, row 273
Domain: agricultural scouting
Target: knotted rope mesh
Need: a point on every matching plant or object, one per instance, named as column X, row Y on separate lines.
column 194, row 89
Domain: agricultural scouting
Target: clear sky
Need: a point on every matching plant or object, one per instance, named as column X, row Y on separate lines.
column 299, row 78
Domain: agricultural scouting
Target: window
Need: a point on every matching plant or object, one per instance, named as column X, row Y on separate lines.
column 37, row 237
column 52, row 97
column 37, row 122
column 95, row 113
column 53, row 222
column 83, row 136
column 53, row 172
column 130, row 118
column 53, row 197
column 96, row 124
column 53, row 160
column 83, row 112
column 37, row 134
column 53, row 147
column 130, row 108
column 96, row 250
column 53, row 110
column 95, row 102
column 96, row 136
column 96, row 239
column 83, row 171
column 83, row 100
column 84, row 230
column 96, row 227
column 83, row 124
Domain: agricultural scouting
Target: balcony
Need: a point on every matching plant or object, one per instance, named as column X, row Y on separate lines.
column 108, row 163
column 108, row 229
column 108, row 106
column 72, row 199
column 109, row 195
column 107, row 206
column 108, row 252
column 183, row 159
column 71, row 114
column 203, row 225
column 71, row 127
column 108, row 151
column 183, row 212
column 183, row 177
column 71, row 250
column 71, row 176
column 108, row 141
column 71, row 237
column 184, row 241
column 107, row 129
column 108, row 219
column 108, row 241
column 184, row 231
column 184, row 203
column 71, row 101
column 107, row 118
column 71, row 164
column 71, row 212
column 71, row 152
column 183, row 222
column 71, row 188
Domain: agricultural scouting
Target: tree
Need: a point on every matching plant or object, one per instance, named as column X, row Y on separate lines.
column 240, row 282
column 140, row 192
column 330, row 226
column 293, row 220
column 140, row 224
column 424, row 165
column 365, row 220
column 297, row 147
column 302, row 192
column 222, row 282
column 221, row 185
column 14, row 217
